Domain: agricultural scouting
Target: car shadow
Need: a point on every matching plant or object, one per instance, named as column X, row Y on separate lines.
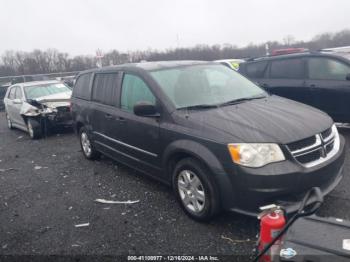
column 57, row 131
column 227, row 221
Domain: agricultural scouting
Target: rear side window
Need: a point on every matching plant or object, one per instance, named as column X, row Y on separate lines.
column 134, row 90
column 12, row 93
column 327, row 69
column 256, row 70
column 82, row 88
column 287, row 68
column 105, row 88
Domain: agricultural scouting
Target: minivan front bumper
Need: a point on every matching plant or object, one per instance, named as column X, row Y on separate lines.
column 283, row 183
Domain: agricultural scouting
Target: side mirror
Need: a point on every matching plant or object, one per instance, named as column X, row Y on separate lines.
column 17, row 101
column 348, row 76
column 145, row 109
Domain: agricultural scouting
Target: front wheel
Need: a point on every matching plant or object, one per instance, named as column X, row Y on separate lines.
column 86, row 145
column 195, row 190
column 34, row 128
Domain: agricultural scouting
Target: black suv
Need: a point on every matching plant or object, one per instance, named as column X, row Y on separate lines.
column 218, row 139
column 318, row 79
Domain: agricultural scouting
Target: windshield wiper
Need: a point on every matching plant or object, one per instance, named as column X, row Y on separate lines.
column 241, row 100
column 201, row 106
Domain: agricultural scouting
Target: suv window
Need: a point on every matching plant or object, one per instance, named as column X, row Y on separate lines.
column 287, row 68
column 134, row 90
column 256, row 70
column 12, row 93
column 82, row 87
column 18, row 94
column 105, row 88
column 327, row 69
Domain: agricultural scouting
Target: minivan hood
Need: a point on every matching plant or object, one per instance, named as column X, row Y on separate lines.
column 269, row 120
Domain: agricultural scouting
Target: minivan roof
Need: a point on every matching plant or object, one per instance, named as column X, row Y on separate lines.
column 150, row 66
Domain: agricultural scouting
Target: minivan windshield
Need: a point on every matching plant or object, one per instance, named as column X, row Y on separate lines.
column 202, row 86
column 33, row 92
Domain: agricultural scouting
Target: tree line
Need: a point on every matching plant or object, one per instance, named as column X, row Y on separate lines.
column 54, row 61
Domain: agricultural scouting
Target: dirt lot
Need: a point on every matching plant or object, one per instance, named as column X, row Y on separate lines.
column 47, row 187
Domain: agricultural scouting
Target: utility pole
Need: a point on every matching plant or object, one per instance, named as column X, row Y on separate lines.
column 267, row 49
column 99, row 56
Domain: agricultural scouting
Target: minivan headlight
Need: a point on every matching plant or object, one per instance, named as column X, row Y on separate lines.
column 255, row 155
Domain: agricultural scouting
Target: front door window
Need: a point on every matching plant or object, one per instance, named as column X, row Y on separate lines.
column 134, row 90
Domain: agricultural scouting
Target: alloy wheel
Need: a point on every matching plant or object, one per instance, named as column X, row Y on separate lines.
column 191, row 191
column 85, row 143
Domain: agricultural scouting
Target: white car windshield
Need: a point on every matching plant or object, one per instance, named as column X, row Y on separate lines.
column 207, row 85
column 33, row 92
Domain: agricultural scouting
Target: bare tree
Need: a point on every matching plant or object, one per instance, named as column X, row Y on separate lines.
column 51, row 60
column 289, row 40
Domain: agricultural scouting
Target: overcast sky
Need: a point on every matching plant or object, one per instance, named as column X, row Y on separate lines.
column 82, row 26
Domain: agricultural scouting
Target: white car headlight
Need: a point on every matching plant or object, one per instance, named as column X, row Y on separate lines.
column 255, row 155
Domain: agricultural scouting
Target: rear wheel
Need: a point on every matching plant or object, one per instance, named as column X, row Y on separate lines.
column 34, row 128
column 195, row 190
column 9, row 122
column 86, row 145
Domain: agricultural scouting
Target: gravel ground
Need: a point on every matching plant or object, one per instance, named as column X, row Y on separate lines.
column 47, row 187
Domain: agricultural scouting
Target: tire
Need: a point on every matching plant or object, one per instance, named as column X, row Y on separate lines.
column 9, row 122
column 34, row 128
column 86, row 145
column 197, row 195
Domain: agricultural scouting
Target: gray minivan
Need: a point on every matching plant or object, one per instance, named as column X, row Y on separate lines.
column 218, row 139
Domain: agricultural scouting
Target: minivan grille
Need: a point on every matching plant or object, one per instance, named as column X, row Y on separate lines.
column 314, row 150
column 302, row 143
column 329, row 147
column 307, row 158
column 326, row 134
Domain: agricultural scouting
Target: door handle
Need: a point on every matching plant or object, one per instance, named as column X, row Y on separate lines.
column 312, row 86
column 121, row 119
column 108, row 116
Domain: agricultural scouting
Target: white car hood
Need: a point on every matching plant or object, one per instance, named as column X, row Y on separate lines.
column 64, row 96
column 51, row 102
column 56, row 100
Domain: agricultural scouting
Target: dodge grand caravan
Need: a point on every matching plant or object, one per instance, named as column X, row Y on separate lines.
column 218, row 139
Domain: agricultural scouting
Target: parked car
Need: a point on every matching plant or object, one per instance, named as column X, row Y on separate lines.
column 218, row 139
column 3, row 89
column 340, row 49
column 231, row 63
column 38, row 106
column 68, row 80
column 318, row 79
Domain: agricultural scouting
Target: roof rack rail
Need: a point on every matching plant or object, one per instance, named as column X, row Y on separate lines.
column 301, row 51
column 287, row 51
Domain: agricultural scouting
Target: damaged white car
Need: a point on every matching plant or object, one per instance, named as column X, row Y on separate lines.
column 37, row 107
